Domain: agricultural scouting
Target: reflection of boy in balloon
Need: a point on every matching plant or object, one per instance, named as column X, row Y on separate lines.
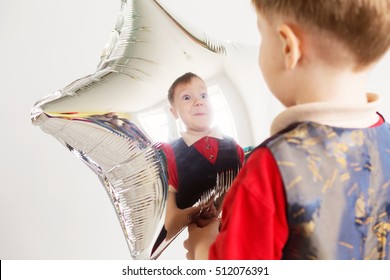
column 195, row 158
column 319, row 188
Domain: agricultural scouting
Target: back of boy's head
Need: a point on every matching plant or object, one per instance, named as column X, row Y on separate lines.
column 362, row 26
column 184, row 79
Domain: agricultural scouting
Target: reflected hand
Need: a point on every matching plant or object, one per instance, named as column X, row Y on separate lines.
column 206, row 214
column 200, row 239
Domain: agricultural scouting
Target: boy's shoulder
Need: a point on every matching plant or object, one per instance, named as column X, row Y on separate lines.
column 279, row 134
column 301, row 132
column 266, row 143
column 175, row 142
column 299, row 139
column 228, row 138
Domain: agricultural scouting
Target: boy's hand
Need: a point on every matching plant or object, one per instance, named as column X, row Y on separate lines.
column 200, row 239
column 206, row 213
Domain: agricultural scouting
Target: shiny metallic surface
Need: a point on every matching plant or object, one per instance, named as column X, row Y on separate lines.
column 96, row 116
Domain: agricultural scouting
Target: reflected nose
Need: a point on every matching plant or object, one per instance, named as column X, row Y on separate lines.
column 199, row 102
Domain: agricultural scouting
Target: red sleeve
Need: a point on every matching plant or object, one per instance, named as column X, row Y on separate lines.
column 254, row 223
column 171, row 162
column 240, row 153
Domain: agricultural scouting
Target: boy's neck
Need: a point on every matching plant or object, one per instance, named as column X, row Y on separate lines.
column 327, row 84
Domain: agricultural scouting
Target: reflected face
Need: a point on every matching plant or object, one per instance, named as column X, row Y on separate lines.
column 192, row 105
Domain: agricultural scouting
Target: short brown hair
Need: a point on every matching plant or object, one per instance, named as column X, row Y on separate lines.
column 184, row 79
column 362, row 26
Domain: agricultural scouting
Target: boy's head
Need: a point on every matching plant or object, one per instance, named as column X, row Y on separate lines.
column 361, row 27
column 190, row 102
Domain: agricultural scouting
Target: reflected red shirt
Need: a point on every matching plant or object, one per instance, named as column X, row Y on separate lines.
column 207, row 146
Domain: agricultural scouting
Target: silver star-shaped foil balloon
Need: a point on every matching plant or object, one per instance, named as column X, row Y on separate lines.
column 96, row 117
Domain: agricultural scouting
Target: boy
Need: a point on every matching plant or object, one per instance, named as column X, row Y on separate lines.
column 195, row 159
column 319, row 188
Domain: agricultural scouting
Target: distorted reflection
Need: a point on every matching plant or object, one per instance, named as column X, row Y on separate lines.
column 159, row 123
column 198, row 156
column 114, row 118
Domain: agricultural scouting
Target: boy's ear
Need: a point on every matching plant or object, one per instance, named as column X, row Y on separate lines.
column 291, row 46
column 174, row 113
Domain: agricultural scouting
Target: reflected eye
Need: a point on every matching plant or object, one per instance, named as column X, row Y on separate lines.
column 204, row 95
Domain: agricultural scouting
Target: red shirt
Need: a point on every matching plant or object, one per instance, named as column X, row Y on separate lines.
column 254, row 222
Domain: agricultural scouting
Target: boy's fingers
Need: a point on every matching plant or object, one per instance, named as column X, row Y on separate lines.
column 211, row 222
column 192, row 226
column 186, row 244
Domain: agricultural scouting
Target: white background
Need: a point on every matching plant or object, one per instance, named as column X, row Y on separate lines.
column 51, row 205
